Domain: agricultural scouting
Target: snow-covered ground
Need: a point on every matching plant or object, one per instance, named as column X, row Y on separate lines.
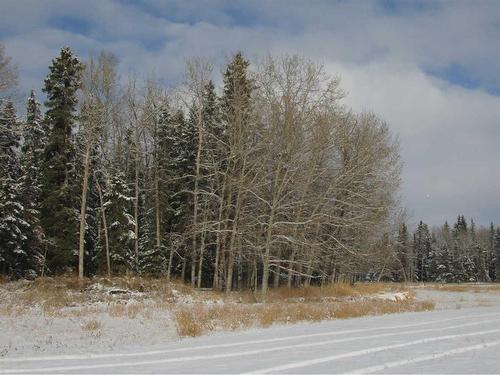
column 446, row 341
column 461, row 336
column 459, row 300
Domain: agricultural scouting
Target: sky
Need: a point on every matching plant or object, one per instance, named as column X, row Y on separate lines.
column 431, row 69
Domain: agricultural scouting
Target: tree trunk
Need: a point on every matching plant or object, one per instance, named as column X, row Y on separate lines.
column 202, row 248
column 265, row 263
column 170, row 259
column 157, row 209
column 219, row 236
column 276, row 277
column 105, row 226
column 234, row 230
column 136, row 204
column 291, row 268
column 83, row 210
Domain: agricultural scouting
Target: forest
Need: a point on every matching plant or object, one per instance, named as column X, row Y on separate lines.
column 254, row 178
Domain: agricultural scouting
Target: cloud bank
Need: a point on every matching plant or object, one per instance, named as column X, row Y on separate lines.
column 429, row 68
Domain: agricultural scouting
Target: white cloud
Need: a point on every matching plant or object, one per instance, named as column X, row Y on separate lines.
column 449, row 134
column 449, row 137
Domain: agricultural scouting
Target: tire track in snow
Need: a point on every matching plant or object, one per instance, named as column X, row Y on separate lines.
column 275, row 349
column 239, row 343
column 358, row 353
column 425, row 358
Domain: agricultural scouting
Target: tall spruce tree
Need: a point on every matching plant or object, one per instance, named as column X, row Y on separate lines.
column 497, row 254
column 13, row 226
column 118, row 203
column 403, row 253
column 491, row 252
column 235, row 115
column 34, row 143
column 59, row 201
column 422, row 250
column 461, row 262
column 156, row 256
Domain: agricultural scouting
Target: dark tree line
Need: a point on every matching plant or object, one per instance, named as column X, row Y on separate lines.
column 462, row 253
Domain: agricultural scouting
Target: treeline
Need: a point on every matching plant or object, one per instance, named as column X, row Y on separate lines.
column 463, row 253
column 266, row 179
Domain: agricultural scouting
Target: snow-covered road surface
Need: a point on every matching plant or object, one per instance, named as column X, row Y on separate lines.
column 448, row 341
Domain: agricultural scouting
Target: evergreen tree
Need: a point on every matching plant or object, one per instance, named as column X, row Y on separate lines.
column 462, row 264
column 491, row 253
column 35, row 141
column 235, row 102
column 118, row 200
column 422, row 249
column 497, row 254
column 214, row 127
column 59, row 200
column 461, row 225
column 154, row 257
column 444, row 268
column 183, row 156
column 13, row 226
column 235, row 115
column 403, row 253
column 182, row 164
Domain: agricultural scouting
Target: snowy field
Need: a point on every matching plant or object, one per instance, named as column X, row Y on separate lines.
column 445, row 341
column 461, row 336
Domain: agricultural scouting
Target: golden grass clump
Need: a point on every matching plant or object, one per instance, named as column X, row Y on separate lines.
column 378, row 307
column 12, row 310
column 199, row 319
column 295, row 312
column 117, row 310
column 335, row 290
column 50, row 299
column 92, row 325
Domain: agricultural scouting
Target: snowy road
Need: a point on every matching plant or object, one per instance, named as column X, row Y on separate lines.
column 448, row 341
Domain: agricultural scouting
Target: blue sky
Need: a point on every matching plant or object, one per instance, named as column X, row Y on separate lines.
column 431, row 69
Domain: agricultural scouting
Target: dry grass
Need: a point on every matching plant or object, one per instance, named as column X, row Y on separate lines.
column 316, row 293
column 118, row 310
column 51, row 299
column 12, row 310
column 200, row 319
column 197, row 311
column 92, row 325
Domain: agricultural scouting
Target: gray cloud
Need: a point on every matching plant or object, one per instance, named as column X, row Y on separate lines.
column 449, row 134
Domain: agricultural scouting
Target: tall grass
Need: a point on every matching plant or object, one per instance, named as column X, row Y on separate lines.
column 201, row 319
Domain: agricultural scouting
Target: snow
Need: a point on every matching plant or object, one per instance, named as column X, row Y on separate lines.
column 403, row 343
column 391, row 296
column 458, row 300
column 462, row 335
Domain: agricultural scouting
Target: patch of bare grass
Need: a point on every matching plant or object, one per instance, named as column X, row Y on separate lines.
column 377, row 307
column 92, row 325
column 131, row 311
column 200, row 319
column 330, row 291
column 12, row 310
